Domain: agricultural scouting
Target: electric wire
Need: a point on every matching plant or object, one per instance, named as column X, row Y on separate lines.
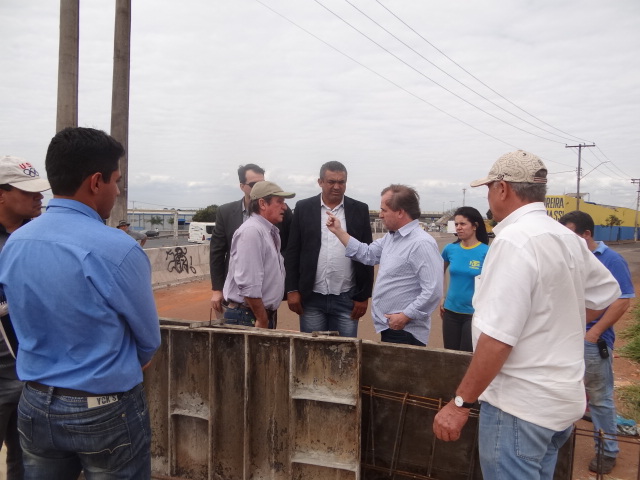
column 431, row 80
column 473, row 76
column 385, row 78
column 454, row 78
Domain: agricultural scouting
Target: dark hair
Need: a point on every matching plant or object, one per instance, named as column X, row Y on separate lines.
column 332, row 166
column 255, row 204
column 581, row 220
column 76, row 153
column 476, row 219
column 242, row 171
column 403, row 198
column 6, row 187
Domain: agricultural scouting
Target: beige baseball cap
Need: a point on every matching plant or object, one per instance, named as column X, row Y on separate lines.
column 19, row 173
column 264, row 189
column 517, row 167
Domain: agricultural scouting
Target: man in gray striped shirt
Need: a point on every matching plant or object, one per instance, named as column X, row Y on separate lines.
column 409, row 284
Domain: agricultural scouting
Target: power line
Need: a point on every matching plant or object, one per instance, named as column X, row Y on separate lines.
column 472, row 75
column 385, row 78
column 431, row 80
column 454, row 78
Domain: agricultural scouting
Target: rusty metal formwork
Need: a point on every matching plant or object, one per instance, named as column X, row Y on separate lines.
column 239, row 403
column 231, row 403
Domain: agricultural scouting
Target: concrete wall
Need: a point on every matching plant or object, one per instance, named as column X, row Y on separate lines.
column 231, row 403
column 172, row 265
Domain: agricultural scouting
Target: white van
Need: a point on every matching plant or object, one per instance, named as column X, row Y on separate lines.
column 200, row 232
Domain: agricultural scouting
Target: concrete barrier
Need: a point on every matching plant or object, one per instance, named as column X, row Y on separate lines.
column 179, row 264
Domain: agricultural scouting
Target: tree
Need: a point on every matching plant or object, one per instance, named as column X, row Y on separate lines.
column 207, row 214
column 612, row 221
column 157, row 220
column 492, row 222
column 170, row 221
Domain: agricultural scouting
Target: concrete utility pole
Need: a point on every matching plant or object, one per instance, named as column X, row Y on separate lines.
column 67, row 114
column 635, row 232
column 464, row 193
column 579, row 147
column 120, row 102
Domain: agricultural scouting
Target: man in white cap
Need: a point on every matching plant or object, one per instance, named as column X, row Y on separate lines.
column 20, row 201
column 254, row 286
column 538, row 285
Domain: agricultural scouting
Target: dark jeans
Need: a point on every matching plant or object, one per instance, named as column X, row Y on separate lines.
column 456, row 331
column 61, row 435
column 9, row 397
column 329, row 312
column 244, row 316
column 399, row 336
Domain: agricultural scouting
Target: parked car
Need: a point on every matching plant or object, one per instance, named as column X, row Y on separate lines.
column 152, row 233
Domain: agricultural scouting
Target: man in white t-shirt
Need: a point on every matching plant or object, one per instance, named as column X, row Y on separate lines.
column 538, row 285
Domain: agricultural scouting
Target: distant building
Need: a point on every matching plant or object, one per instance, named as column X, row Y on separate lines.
column 141, row 219
column 558, row 205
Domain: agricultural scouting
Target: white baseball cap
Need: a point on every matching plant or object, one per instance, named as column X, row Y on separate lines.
column 19, row 173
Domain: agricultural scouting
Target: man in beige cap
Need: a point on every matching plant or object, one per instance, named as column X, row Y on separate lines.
column 539, row 284
column 254, row 286
column 20, row 201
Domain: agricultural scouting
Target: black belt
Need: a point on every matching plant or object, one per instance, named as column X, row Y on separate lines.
column 67, row 392
column 244, row 306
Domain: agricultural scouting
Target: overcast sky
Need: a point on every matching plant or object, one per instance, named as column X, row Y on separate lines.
column 215, row 84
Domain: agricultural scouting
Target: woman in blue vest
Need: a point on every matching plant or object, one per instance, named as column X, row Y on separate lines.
column 464, row 259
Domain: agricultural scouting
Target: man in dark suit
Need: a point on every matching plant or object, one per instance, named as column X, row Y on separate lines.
column 228, row 218
column 328, row 290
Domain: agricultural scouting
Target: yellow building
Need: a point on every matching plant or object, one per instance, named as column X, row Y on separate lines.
column 558, row 205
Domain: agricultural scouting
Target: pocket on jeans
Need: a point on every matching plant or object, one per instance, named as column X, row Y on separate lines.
column 530, row 444
column 25, row 426
column 106, row 445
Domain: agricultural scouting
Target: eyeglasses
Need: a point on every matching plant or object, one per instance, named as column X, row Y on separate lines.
column 250, row 184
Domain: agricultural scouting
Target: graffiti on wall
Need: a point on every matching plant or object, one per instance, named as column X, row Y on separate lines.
column 178, row 261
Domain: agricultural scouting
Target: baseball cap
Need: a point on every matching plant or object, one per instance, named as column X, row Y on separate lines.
column 19, row 173
column 264, row 189
column 517, row 167
column 123, row 223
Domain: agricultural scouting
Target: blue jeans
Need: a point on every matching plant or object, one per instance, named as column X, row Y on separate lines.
column 329, row 312
column 10, row 391
column 598, row 381
column 512, row 448
column 244, row 316
column 60, row 436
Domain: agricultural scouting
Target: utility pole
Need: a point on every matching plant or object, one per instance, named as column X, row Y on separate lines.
column 120, row 102
column 67, row 109
column 579, row 147
column 635, row 232
column 464, row 192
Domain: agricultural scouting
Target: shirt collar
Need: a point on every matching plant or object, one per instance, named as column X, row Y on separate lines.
column 79, row 207
column 517, row 214
column 408, row 228
column 341, row 204
column 263, row 221
column 600, row 249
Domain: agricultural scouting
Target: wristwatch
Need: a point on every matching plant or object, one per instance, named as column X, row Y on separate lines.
column 461, row 403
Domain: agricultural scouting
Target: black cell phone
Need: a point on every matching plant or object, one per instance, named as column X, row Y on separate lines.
column 602, row 348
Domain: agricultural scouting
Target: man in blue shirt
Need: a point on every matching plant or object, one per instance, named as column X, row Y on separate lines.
column 409, row 284
column 80, row 298
column 598, row 342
